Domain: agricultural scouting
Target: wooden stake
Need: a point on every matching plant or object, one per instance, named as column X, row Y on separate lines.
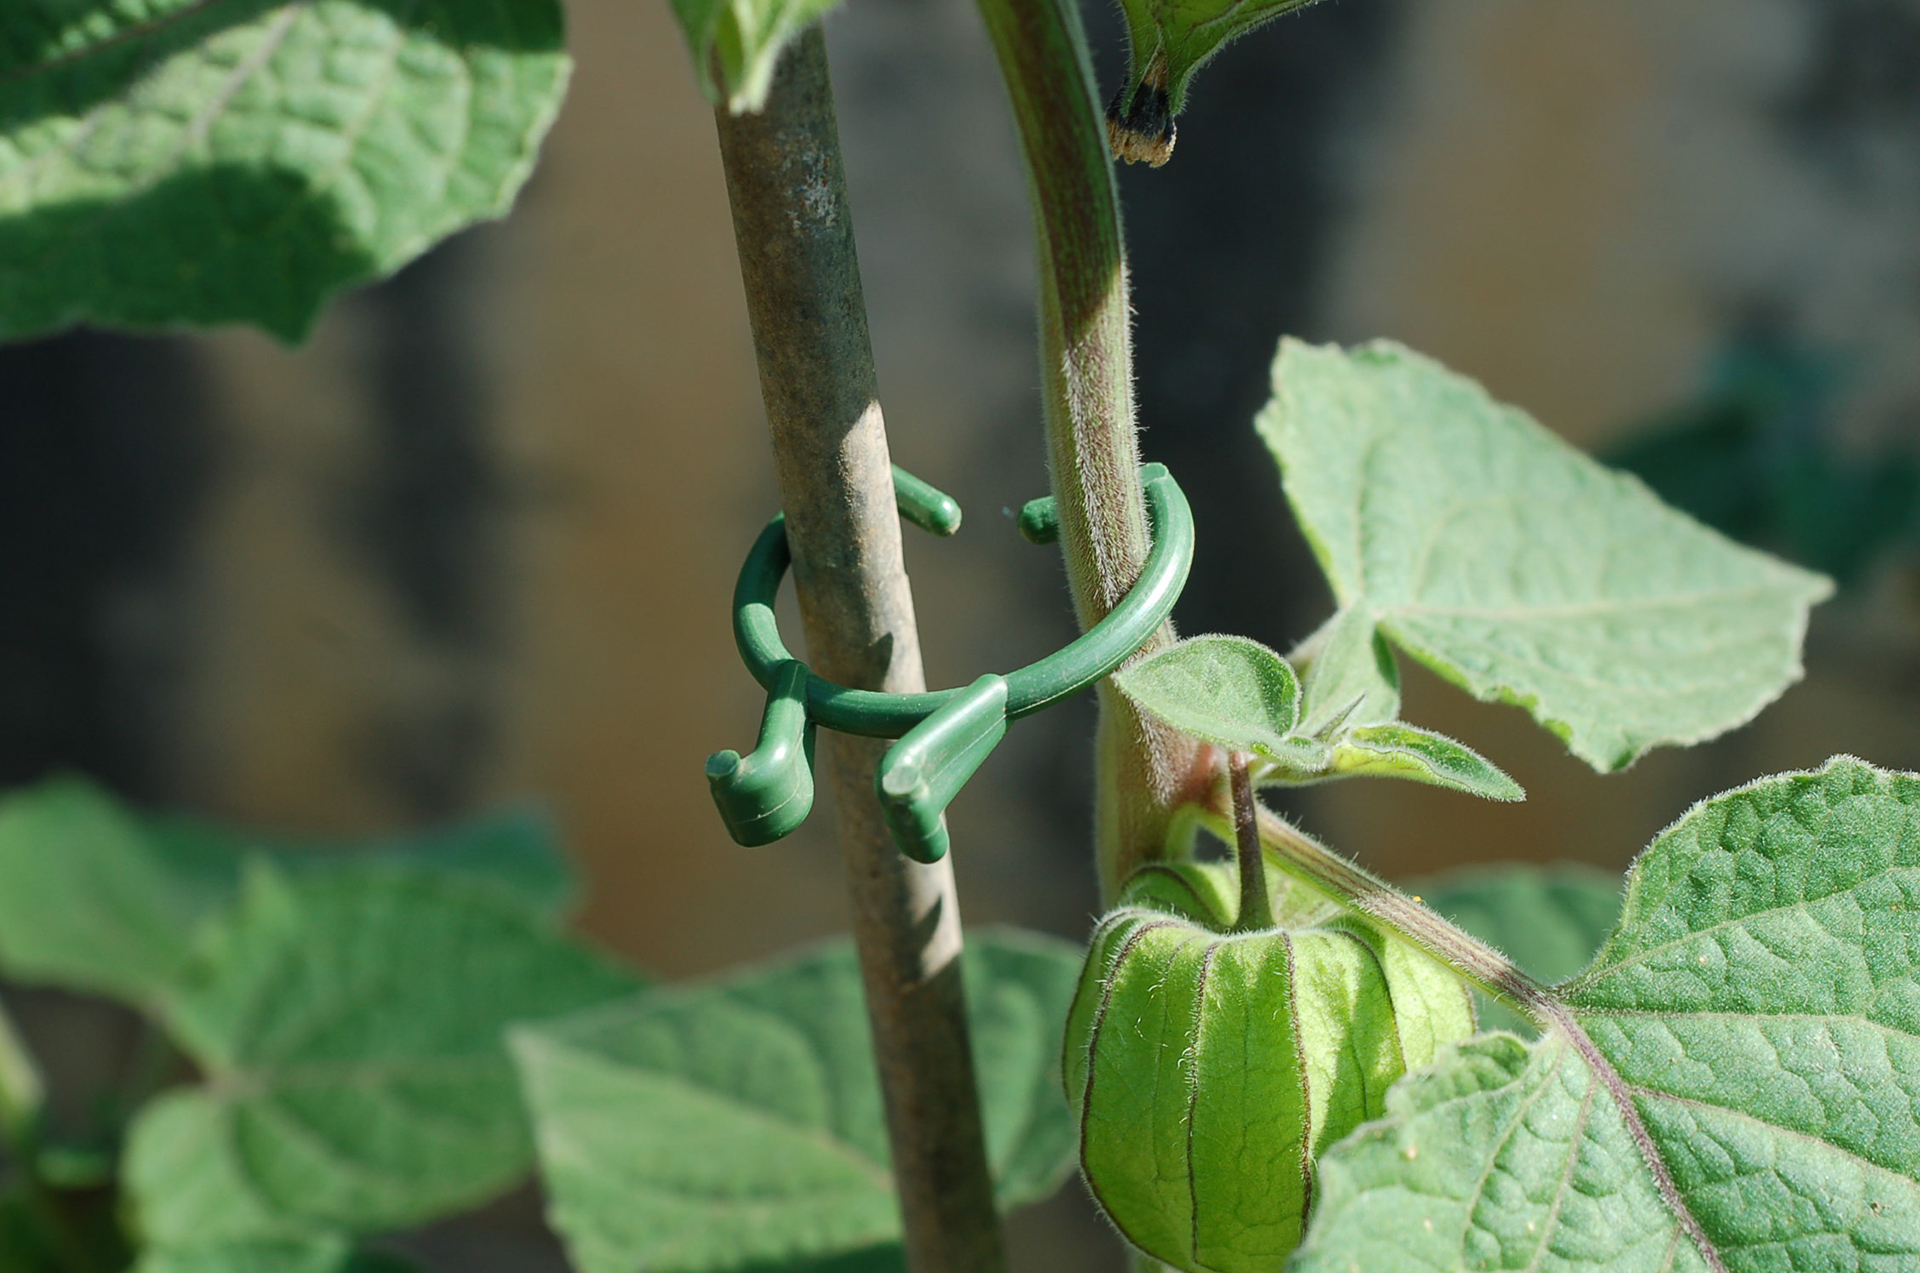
column 795, row 235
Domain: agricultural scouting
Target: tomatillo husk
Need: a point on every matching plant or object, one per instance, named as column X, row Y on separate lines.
column 1208, row 1069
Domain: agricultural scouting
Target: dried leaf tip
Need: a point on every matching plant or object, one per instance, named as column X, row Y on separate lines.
column 1140, row 127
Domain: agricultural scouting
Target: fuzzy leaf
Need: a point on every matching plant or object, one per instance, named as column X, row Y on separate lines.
column 1548, row 919
column 739, row 1125
column 100, row 897
column 1733, row 1085
column 1168, row 40
column 1520, row 569
column 747, row 38
column 1228, row 690
column 176, row 161
column 1351, row 678
column 350, row 1026
column 1402, row 751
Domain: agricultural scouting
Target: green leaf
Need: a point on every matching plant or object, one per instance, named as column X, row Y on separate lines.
column 515, row 849
column 1351, row 678
column 84, row 901
column 97, row 896
column 1520, row 569
column 1228, row 690
column 1403, row 751
column 1548, row 919
column 318, row 1255
column 746, row 37
column 1352, row 695
column 1733, row 1085
column 738, row 1124
column 350, row 1027
column 178, row 161
column 1168, row 40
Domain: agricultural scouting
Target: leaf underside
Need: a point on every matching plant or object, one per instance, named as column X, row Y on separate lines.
column 1406, row 751
column 170, row 162
column 1734, row 1085
column 1180, row 35
column 1519, row 568
column 739, row 1124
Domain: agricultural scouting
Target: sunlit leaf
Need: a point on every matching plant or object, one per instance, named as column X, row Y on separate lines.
column 1226, row 689
column 1733, row 1086
column 166, row 162
column 1403, row 751
column 1520, row 569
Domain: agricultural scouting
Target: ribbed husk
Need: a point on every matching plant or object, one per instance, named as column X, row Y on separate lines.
column 1209, row 1069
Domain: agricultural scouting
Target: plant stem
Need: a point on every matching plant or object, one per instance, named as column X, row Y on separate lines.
column 795, row 235
column 1256, row 907
column 1353, row 886
column 1086, row 351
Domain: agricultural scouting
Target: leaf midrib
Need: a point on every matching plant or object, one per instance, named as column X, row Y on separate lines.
column 125, row 35
column 1560, row 1016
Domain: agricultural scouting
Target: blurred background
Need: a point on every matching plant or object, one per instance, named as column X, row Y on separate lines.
column 476, row 539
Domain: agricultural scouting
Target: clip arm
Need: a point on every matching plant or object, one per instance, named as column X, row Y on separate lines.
column 766, row 795
column 922, row 773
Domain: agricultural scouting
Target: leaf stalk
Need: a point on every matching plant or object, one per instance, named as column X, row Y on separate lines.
column 1357, row 889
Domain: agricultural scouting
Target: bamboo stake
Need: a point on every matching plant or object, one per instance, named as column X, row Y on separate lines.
column 792, row 225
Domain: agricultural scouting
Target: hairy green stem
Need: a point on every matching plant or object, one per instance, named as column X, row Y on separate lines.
column 1146, row 768
column 1341, row 880
column 1256, row 907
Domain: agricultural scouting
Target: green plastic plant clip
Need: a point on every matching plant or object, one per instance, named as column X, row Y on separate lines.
column 765, row 796
column 1040, row 521
column 933, row 511
column 922, row 773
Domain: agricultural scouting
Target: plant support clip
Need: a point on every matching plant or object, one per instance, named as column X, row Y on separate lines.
column 945, row 735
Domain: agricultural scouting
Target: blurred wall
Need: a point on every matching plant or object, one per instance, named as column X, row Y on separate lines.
column 477, row 537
